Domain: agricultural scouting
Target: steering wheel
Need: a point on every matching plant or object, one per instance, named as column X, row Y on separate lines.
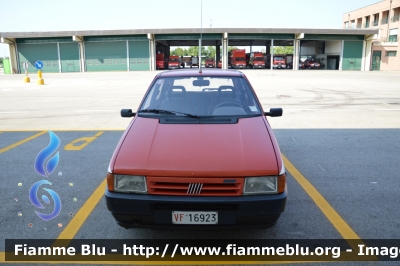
column 228, row 103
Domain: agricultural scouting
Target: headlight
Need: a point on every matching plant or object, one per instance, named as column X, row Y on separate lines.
column 128, row 183
column 260, row 185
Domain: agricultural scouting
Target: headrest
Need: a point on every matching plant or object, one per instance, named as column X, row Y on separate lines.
column 226, row 92
column 177, row 92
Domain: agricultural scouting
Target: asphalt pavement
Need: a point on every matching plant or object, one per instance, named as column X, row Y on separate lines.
column 340, row 131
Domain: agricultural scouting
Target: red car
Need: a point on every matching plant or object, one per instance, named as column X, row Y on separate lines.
column 311, row 63
column 198, row 153
column 210, row 63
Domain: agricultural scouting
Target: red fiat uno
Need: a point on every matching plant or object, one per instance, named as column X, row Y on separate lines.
column 198, row 154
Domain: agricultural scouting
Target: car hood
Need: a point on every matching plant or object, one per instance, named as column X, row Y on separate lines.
column 242, row 149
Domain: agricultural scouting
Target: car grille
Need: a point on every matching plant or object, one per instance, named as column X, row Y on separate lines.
column 189, row 186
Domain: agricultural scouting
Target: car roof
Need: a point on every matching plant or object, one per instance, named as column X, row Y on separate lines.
column 204, row 72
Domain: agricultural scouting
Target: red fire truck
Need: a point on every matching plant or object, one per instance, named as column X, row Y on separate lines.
column 174, row 62
column 238, row 58
column 257, row 60
column 279, row 61
column 160, row 63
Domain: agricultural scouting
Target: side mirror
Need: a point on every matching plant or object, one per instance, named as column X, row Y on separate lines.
column 273, row 112
column 127, row 113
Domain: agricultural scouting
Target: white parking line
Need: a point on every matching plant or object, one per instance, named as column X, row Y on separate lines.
column 83, row 111
column 386, row 109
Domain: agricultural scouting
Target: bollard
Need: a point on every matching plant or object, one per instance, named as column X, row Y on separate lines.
column 26, row 78
column 40, row 80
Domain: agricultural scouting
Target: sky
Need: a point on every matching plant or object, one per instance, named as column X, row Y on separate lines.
column 65, row 15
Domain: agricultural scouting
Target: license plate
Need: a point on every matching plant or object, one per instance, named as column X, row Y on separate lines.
column 179, row 217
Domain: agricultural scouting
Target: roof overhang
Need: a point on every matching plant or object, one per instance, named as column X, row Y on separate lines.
column 39, row 34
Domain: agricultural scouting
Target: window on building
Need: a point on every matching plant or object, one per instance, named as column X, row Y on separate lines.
column 396, row 15
column 346, row 24
column 367, row 22
column 391, row 53
column 393, row 35
column 376, row 19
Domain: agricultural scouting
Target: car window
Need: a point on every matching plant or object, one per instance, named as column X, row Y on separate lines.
column 219, row 96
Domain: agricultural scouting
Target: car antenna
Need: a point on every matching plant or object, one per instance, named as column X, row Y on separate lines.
column 201, row 33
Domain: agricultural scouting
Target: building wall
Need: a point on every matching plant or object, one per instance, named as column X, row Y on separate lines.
column 387, row 62
column 333, row 47
column 388, row 14
column 307, row 48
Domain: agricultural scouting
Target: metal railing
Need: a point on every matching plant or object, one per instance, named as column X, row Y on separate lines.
column 393, row 38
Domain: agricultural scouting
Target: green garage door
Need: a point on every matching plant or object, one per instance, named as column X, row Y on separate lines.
column 105, row 56
column 69, row 55
column 139, row 55
column 352, row 55
column 45, row 52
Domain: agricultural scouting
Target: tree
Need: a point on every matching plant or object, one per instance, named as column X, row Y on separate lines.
column 178, row 51
column 230, row 48
column 283, row 49
column 210, row 52
column 193, row 51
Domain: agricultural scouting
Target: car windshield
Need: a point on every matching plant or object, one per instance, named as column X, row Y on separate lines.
column 278, row 58
column 173, row 59
column 200, row 97
column 239, row 58
column 259, row 58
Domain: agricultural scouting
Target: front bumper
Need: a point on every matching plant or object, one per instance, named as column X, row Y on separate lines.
column 279, row 66
column 155, row 211
column 258, row 66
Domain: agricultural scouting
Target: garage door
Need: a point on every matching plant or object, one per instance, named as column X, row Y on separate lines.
column 69, row 55
column 105, row 56
column 45, row 52
column 352, row 55
column 139, row 55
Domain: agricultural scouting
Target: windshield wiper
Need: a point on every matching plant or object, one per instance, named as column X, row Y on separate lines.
column 158, row 111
